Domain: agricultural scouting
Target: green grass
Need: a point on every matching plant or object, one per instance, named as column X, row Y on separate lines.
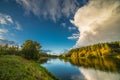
column 17, row 68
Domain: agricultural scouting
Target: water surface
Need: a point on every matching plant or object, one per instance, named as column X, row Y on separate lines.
column 84, row 69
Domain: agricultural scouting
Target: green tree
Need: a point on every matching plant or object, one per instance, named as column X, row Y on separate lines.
column 13, row 50
column 31, row 50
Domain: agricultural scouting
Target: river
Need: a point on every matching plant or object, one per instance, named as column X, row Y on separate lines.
column 84, row 69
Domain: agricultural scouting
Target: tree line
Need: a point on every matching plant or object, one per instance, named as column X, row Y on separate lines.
column 29, row 49
column 96, row 50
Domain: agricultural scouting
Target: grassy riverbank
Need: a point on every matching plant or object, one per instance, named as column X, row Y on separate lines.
column 17, row 68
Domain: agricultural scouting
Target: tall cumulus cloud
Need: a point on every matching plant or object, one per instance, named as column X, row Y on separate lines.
column 98, row 21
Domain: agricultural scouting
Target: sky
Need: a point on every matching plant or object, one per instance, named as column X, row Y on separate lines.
column 98, row 22
column 59, row 25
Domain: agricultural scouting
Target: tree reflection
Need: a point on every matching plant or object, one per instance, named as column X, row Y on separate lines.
column 104, row 64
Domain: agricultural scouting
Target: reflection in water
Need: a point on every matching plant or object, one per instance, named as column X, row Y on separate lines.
column 99, row 68
column 92, row 74
column 61, row 69
column 103, row 64
column 84, row 69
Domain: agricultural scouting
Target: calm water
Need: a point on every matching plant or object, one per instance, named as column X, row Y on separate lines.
column 84, row 69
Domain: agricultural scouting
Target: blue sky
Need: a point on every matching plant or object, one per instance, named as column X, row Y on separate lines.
column 47, row 22
column 59, row 25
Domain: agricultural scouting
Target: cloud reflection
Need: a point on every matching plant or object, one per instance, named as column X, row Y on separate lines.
column 92, row 74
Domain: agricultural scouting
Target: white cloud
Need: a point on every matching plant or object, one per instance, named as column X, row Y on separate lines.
column 1, row 37
column 98, row 21
column 18, row 26
column 63, row 24
column 74, row 36
column 9, row 19
column 3, row 31
column 8, row 26
column 12, row 34
column 5, row 19
column 30, row 6
column 2, row 21
column 71, row 28
column 52, row 9
column 69, row 7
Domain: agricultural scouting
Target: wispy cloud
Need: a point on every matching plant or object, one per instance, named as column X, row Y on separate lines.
column 63, row 24
column 98, row 21
column 4, row 41
column 3, row 31
column 1, row 37
column 2, row 21
column 18, row 26
column 5, row 19
column 9, row 19
column 8, row 26
column 71, row 28
column 74, row 36
column 52, row 9
column 64, row 50
column 47, row 51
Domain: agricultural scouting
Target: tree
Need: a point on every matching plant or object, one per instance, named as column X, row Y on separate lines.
column 31, row 49
column 13, row 50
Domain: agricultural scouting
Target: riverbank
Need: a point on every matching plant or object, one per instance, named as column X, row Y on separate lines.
column 17, row 68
